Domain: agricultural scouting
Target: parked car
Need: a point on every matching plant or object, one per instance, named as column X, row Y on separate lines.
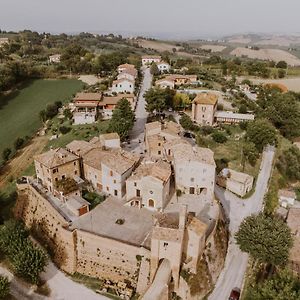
column 235, row 294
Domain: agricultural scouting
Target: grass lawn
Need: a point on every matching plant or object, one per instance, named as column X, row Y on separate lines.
column 19, row 111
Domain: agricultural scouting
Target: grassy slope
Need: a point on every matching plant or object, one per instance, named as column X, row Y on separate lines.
column 19, row 113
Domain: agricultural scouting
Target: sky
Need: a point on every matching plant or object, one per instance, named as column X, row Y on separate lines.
column 185, row 18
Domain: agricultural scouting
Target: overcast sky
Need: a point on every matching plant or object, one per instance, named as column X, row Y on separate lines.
column 181, row 17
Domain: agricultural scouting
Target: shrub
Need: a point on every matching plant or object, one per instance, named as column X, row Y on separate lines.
column 4, row 287
column 6, row 154
column 19, row 142
column 64, row 129
column 219, row 137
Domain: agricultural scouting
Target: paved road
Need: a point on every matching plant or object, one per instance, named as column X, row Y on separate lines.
column 237, row 209
column 18, row 288
column 63, row 288
column 137, row 133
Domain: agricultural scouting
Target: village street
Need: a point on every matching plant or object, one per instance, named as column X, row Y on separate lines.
column 137, row 133
column 236, row 210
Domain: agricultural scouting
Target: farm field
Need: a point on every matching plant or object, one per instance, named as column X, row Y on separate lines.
column 19, row 112
column 267, row 54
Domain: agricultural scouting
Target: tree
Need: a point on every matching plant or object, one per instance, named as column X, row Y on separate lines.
column 267, row 239
column 187, row 123
column 64, row 129
column 249, row 153
column 19, row 142
column 4, row 287
column 6, row 154
column 281, row 73
column 43, row 115
column 28, row 260
column 243, row 109
column 219, row 137
column 181, row 101
column 281, row 64
column 281, row 286
column 289, row 163
column 122, row 119
column 68, row 114
column 154, row 69
column 157, row 100
column 261, row 133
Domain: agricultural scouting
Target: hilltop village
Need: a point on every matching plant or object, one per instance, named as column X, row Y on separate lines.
column 158, row 204
column 154, row 175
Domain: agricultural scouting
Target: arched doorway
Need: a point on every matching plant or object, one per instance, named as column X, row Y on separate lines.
column 151, row 203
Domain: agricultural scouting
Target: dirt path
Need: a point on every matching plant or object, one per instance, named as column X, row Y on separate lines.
column 22, row 160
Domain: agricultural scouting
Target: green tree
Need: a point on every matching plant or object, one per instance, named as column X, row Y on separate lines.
column 4, row 287
column 154, row 69
column 186, row 122
column 19, row 142
column 281, row 286
column 219, row 137
column 181, row 101
column 281, row 73
column 289, row 163
column 122, row 119
column 243, row 109
column 267, row 239
column 6, row 154
column 68, row 114
column 249, row 153
column 261, row 133
column 157, row 100
column 281, row 64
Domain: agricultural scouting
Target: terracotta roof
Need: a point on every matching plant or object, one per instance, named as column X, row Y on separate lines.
column 88, row 96
column 115, row 99
column 125, row 66
column 206, row 98
column 109, row 136
column 152, row 125
column 236, row 176
column 160, row 170
column 180, row 76
column 79, row 147
column 185, row 152
column 55, row 158
column 130, row 71
column 116, row 159
column 197, row 226
column 287, row 193
column 278, row 85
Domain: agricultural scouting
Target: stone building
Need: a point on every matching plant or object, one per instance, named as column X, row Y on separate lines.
column 194, row 169
column 149, row 185
column 108, row 169
column 204, row 108
column 236, row 182
column 55, row 165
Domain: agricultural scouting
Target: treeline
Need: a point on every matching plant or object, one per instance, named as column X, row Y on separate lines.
column 27, row 259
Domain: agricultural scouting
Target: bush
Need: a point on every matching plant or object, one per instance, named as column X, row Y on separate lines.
column 19, row 142
column 4, row 287
column 6, row 154
column 221, row 164
column 219, row 137
column 64, row 129
column 206, row 130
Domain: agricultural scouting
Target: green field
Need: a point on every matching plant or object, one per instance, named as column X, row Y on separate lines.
column 19, row 112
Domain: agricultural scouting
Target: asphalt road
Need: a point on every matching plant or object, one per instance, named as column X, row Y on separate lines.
column 236, row 210
column 137, row 132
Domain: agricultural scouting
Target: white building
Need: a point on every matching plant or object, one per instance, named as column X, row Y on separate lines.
column 165, row 83
column 286, row 198
column 149, row 59
column 231, row 117
column 126, row 75
column 194, row 169
column 149, row 185
column 163, row 67
column 123, row 86
column 236, row 182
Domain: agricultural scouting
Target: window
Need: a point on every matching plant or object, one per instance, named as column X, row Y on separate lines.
column 166, row 245
column 74, row 163
column 56, row 179
column 107, row 188
column 95, row 176
column 55, row 171
column 159, row 152
column 192, row 190
column 75, row 172
column 115, row 181
column 159, row 144
column 111, row 173
column 63, row 177
column 134, row 184
column 115, row 192
column 138, row 193
column 192, row 179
